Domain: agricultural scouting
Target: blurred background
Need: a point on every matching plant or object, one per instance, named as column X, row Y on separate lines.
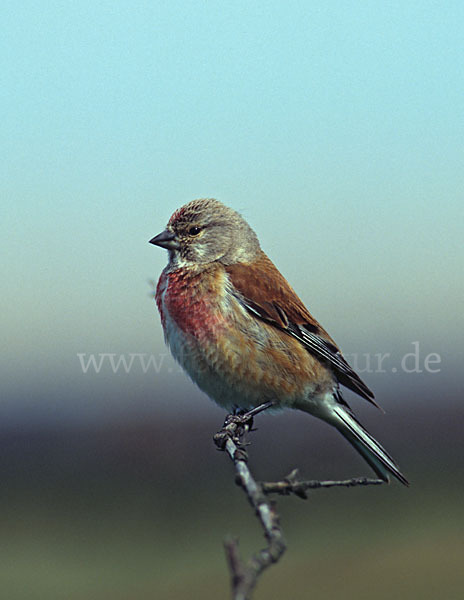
column 337, row 130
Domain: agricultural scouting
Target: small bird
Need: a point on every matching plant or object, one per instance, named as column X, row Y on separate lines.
column 242, row 334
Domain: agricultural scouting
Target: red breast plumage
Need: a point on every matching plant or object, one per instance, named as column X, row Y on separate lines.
column 202, row 318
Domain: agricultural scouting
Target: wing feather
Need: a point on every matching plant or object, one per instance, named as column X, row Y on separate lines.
column 265, row 293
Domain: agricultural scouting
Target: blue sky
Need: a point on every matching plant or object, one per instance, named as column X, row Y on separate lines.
column 335, row 128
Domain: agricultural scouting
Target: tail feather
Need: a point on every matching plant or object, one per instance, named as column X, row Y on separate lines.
column 366, row 445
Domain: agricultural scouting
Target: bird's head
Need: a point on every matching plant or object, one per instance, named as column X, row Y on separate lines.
column 205, row 231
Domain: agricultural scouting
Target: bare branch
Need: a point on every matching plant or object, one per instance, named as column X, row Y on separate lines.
column 244, row 575
column 291, row 485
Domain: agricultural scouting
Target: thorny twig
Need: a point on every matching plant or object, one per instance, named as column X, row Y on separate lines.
column 291, row 484
column 244, row 576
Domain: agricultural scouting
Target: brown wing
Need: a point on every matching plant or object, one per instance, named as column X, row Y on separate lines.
column 266, row 294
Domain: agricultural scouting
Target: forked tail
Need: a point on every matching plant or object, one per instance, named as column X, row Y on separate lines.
column 365, row 444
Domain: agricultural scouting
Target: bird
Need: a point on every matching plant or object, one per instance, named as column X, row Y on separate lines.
column 241, row 333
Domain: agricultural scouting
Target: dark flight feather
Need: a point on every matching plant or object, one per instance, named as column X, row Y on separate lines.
column 266, row 294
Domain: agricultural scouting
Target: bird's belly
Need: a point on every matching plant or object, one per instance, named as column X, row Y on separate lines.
column 240, row 361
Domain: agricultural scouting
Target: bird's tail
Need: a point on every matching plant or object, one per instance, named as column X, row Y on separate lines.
column 372, row 452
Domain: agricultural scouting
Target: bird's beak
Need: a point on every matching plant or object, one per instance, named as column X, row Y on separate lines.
column 166, row 239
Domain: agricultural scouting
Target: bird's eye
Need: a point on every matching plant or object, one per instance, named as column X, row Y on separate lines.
column 195, row 230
